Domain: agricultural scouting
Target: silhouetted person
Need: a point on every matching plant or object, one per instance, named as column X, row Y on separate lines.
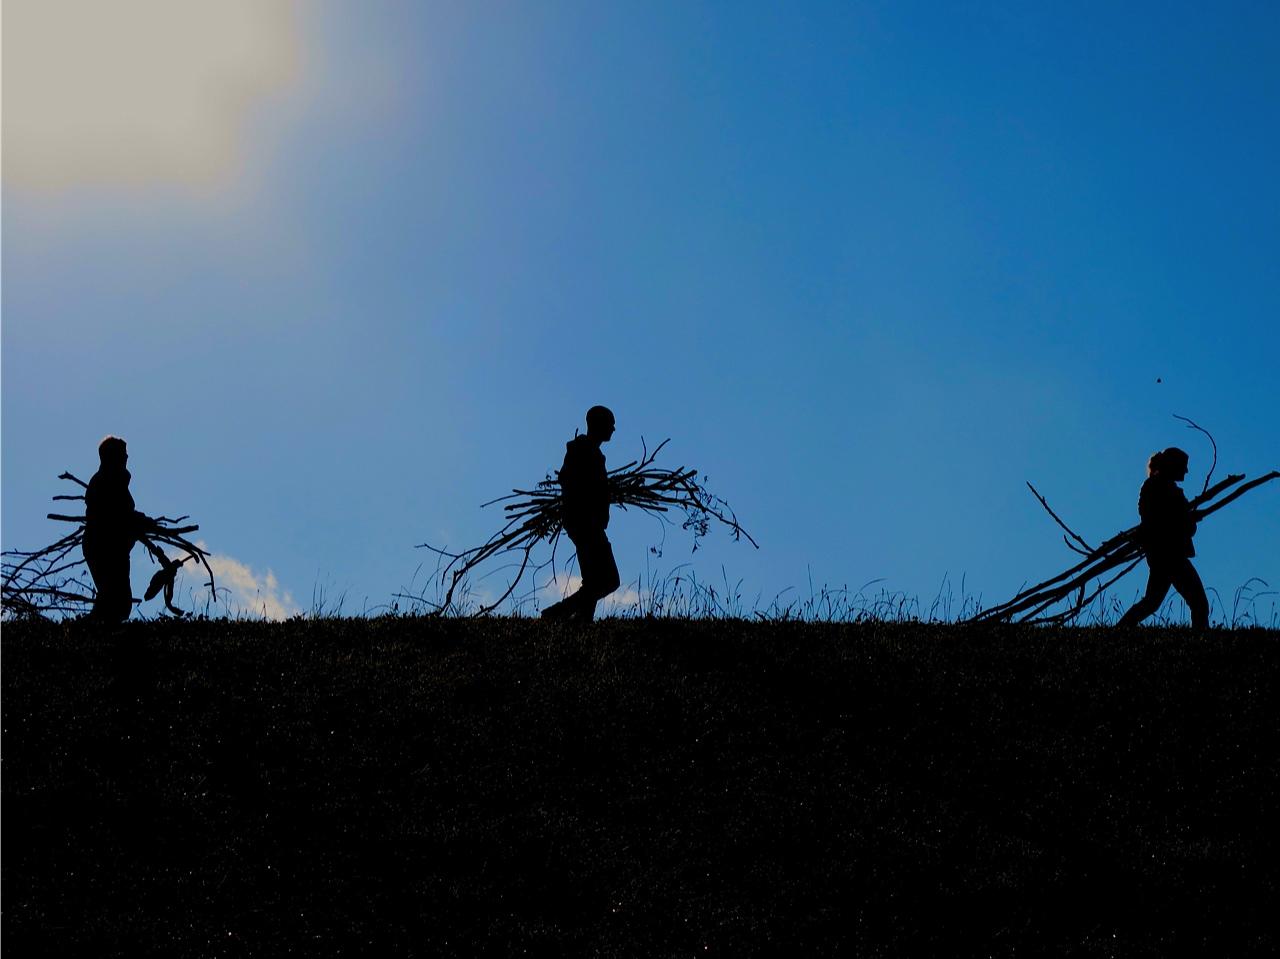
column 111, row 528
column 584, row 485
column 1165, row 533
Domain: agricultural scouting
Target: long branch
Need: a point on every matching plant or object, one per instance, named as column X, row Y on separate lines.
column 1057, row 519
column 1124, row 547
column 28, row 582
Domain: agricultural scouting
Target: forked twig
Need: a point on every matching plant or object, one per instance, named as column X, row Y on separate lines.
column 1192, row 424
column 1057, row 519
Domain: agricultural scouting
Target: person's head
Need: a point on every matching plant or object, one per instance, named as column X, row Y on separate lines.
column 600, row 423
column 113, row 452
column 1171, row 464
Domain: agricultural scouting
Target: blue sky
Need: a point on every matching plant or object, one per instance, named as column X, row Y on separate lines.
column 341, row 273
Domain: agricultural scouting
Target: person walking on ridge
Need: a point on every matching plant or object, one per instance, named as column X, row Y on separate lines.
column 111, row 527
column 584, row 485
column 1167, row 527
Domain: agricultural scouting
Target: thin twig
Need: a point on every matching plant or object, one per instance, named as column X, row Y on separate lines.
column 1058, row 519
column 1192, row 424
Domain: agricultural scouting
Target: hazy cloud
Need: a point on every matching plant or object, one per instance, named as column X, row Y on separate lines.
column 245, row 591
column 138, row 91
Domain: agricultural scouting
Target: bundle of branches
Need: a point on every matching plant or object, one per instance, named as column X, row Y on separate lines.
column 536, row 515
column 55, row 579
column 1086, row 580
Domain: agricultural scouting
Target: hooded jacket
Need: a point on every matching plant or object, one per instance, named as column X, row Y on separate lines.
column 584, row 483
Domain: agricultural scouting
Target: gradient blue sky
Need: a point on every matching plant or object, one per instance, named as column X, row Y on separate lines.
column 869, row 265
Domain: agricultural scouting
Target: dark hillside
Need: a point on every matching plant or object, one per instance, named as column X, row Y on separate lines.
column 409, row 787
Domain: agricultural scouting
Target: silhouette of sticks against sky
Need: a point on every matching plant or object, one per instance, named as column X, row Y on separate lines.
column 1123, row 551
column 535, row 516
column 54, row 580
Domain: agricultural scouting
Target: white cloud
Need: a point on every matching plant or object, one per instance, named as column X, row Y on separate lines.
column 139, row 91
column 622, row 599
column 241, row 590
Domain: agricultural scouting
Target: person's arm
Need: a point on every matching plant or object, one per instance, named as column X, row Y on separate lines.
column 569, row 475
column 600, row 492
column 571, row 489
column 1187, row 514
column 125, row 516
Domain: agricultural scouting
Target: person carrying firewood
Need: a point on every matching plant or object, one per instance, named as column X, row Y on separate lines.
column 1165, row 534
column 584, row 484
column 111, row 527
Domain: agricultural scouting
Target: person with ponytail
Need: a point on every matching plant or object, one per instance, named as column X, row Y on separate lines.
column 1165, row 534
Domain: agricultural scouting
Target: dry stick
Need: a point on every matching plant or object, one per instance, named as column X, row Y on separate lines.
column 522, row 539
column 1192, row 424
column 1057, row 519
column 536, row 515
column 1037, row 605
column 52, row 591
column 1038, row 597
column 1235, row 494
column 61, row 569
column 1038, row 600
column 1231, row 480
column 19, row 596
column 71, row 541
column 161, row 529
column 1104, row 549
column 1084, row 601
column 1115, row 551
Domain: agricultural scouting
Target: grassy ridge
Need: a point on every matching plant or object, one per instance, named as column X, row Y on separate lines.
column 409, row 787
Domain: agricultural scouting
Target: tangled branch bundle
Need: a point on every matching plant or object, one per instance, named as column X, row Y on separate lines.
column 56, row 579
column 537, row 515
column 1121, row 552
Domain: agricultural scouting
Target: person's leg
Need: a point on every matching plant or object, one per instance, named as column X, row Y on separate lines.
column 568, row 607
column 599, row 574
column 1187, row 582
column 100, row 573
column 1158, row 583
column 113, row 601
column 607, row 578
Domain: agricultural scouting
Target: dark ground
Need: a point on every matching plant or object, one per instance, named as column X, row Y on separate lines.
column 407, row 787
